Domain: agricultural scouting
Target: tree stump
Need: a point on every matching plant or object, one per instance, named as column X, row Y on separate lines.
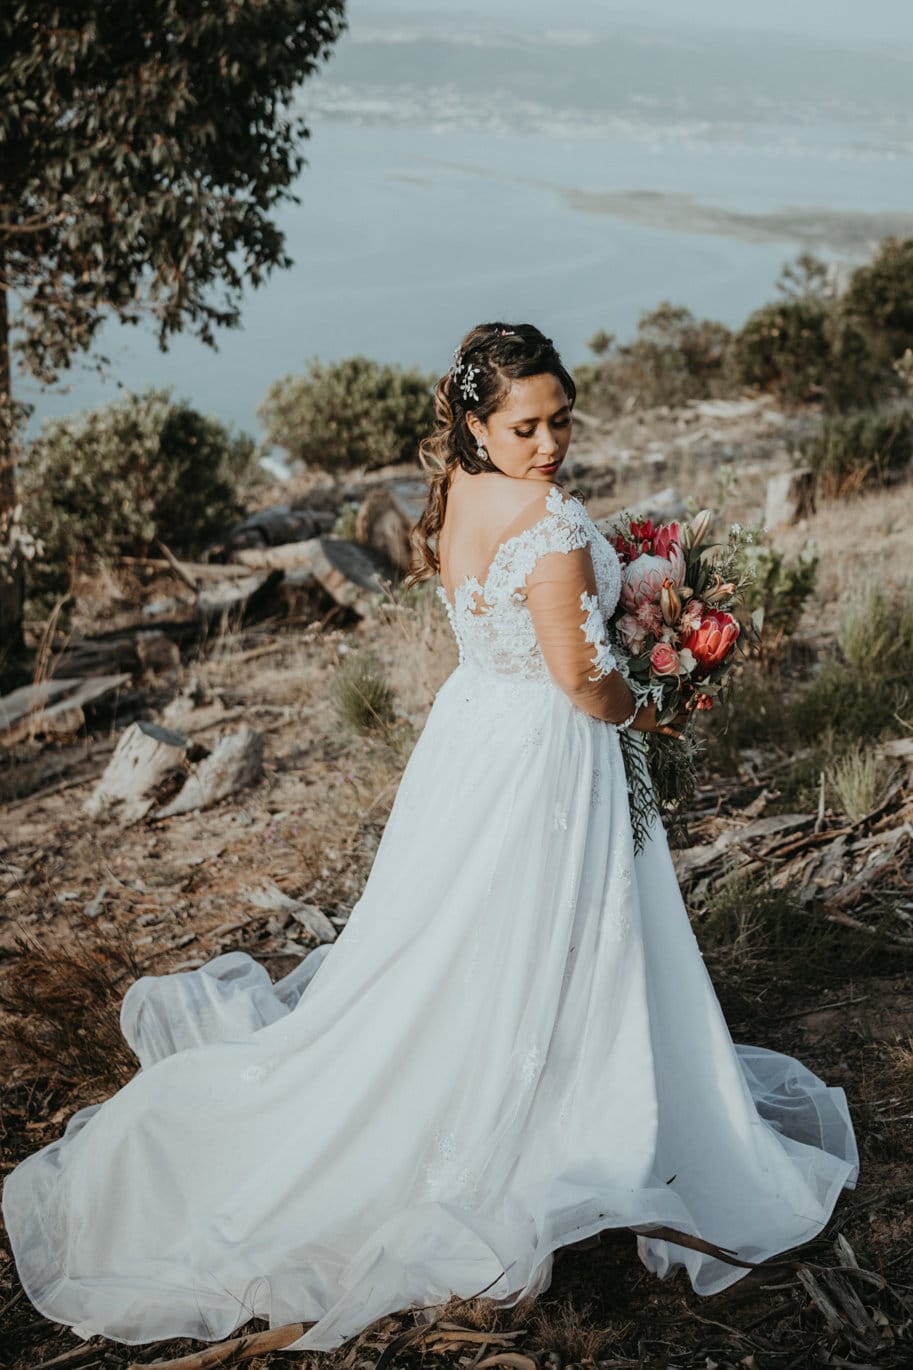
column 145, row 757
column 235, row 762
column 790, row 497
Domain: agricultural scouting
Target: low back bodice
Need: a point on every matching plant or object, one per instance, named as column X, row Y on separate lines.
column 490, row 621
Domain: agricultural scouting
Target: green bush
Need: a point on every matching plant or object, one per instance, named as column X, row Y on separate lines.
column 674, row 358
column 351, row 413
column 108, row 482
column 863, row 448
column 784, row 348
column 879, row 300
column 865, row 694
column 779, row 589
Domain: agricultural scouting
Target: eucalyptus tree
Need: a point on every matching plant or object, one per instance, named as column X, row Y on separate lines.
column 144, row 148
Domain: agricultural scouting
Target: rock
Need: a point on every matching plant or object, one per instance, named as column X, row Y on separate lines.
column 790, row 497
column 235, row 762
column 145, row 758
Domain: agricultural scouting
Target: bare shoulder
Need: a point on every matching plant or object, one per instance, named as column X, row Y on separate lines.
column 498, row 500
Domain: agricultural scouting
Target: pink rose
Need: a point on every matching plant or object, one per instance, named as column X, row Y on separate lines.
column 632, row 633
column 643, row 580
column 664, row 659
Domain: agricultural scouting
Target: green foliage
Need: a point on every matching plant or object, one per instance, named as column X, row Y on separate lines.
column 877, row 631
column 778, row 590
column 350, row 413
column 363, row 699
column 674, row 358
column 107, row 483
column 862, row 694
column 600, row 342
column 145, row 148
column 879, row 299
column 858, row 449
column 784, row 348
column 808, row 277
column 344, row 527
column 865, row 693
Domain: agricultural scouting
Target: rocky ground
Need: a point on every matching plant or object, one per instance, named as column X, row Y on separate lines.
column 87, row 903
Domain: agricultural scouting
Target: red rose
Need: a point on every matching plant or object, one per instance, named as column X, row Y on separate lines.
column 713, row 639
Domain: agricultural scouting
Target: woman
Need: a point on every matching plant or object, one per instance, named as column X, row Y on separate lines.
column 512, row 1045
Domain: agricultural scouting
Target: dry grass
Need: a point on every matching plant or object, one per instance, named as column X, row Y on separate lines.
column 859, row 780
column 61, row 1010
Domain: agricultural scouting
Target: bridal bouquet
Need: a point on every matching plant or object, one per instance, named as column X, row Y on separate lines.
column 675, row 639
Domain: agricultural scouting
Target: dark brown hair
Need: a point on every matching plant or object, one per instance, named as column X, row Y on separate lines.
column 502, row 354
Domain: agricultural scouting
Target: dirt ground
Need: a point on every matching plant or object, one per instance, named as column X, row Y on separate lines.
column 86, row 906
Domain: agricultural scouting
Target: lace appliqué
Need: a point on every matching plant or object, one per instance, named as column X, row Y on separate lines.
column 531, row 1066
column 594, row 630
column 491, row 623
column 444, row 1176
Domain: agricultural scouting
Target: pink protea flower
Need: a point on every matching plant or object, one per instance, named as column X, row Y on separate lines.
column 643, row 580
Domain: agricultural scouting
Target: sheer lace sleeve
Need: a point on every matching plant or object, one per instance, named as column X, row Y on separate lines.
column 555, row 575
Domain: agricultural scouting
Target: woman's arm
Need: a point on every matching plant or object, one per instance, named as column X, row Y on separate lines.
column 561, row 597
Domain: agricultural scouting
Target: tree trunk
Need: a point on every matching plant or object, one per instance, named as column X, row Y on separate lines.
column 12, row 644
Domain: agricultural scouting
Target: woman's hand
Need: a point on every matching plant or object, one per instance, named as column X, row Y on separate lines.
column 645, row 721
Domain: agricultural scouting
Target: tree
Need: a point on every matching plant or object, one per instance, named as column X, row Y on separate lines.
column 144, row 145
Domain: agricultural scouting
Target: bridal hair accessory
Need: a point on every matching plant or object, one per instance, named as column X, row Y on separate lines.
column 467, row 384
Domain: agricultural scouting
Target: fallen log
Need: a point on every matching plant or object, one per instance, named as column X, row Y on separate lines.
column 353, row 575
column 64, row 717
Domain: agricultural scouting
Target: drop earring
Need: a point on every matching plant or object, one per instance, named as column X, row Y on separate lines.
column 481, row 450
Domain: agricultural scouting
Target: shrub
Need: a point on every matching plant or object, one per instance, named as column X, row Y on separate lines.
column 784, row 348
column 865, row 694
column 674, row 358
column 351, row 413
column 879, row 299
column 867, row 447
column 779, row 589
column 106, row 483
column 363, row 699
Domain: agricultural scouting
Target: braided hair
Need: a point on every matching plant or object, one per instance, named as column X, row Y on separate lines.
column 489, row 359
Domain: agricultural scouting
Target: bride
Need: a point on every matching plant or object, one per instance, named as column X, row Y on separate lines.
column 514, row 1042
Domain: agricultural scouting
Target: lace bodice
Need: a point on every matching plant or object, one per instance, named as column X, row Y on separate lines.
column 502, row 637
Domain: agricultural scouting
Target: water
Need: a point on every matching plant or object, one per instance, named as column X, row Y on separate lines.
column 573, row 180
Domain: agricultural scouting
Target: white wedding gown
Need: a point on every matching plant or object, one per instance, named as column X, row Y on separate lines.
column 513, row 1044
